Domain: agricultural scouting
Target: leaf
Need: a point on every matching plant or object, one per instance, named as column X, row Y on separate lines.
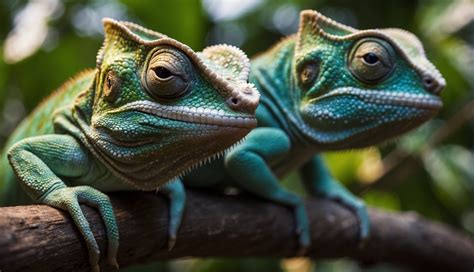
column 451, row 169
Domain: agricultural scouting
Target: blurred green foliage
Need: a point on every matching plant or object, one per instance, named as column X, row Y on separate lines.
column 433, row 166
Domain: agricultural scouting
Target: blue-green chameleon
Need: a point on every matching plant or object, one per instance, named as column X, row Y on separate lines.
column 150, row 111
column 327, row 87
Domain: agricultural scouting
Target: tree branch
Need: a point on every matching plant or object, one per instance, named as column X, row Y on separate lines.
column 41, row 238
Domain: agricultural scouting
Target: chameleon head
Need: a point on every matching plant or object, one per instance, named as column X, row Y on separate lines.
column 161, row 109
column 355, row 88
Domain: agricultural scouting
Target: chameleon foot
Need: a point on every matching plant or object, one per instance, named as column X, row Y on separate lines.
column 176, row 194
column 333, row 190
column 171, row 243
column 302, row 227
column 68, row 199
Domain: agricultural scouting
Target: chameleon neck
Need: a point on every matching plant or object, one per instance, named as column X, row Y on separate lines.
column 75, row 120
column 272, row 75
column 78, row 122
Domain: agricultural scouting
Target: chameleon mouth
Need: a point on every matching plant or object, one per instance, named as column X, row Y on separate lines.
column 191, row 115
column 420, row 101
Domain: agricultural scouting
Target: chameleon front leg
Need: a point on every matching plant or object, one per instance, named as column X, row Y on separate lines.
column 319, row 181
column 38, row 163
column 248, row 165
column 176, row 194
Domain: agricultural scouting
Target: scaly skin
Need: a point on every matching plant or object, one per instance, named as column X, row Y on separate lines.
column 149, row 112
column 328, row 87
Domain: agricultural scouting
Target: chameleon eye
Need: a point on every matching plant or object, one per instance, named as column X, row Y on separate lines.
column 111, row 86
column 371, row 60
column 308, row 74
column 168, row 75
column 163, row 73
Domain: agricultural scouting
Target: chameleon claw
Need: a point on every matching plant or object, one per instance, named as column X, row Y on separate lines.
column 334, row 191
column 302, row 228
column 113, row 262
column 171, row 242
column 364, row 224
column 112, row 254
column 94, row 260
column 95, row 268
column 177, row 197
column 302, row 250
column 303, row 241
column 360, row 210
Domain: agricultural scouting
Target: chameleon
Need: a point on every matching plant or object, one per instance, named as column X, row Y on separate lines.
column 150, row 111
column 327, row 87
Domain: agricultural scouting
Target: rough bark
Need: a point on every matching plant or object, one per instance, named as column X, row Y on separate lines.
column 41, row 238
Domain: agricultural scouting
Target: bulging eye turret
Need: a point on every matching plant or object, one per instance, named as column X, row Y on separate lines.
column 168, row 75
column 371, row 61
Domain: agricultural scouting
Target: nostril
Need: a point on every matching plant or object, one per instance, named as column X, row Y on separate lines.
column 430, row 83
column 234, row 102
column 244, row 99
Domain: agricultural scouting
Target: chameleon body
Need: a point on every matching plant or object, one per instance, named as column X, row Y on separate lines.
column 150, row 111
column 327, row 87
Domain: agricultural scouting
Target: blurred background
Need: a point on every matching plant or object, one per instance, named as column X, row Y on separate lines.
column 430, row 170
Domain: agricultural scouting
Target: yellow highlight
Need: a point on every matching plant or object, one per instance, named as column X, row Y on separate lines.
column 371, row 167
column 297, row 265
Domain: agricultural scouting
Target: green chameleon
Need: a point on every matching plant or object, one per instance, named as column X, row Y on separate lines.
column 151, row 110
column 328, row 87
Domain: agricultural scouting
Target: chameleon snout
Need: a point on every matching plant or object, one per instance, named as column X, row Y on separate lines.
column 244, row 98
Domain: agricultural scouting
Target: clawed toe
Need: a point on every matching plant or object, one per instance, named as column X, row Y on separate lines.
column 304, row 240
column 113, row 262
column 171, row 242
column 302, row 250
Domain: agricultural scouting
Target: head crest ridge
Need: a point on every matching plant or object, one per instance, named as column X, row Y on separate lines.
column 314, row 24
